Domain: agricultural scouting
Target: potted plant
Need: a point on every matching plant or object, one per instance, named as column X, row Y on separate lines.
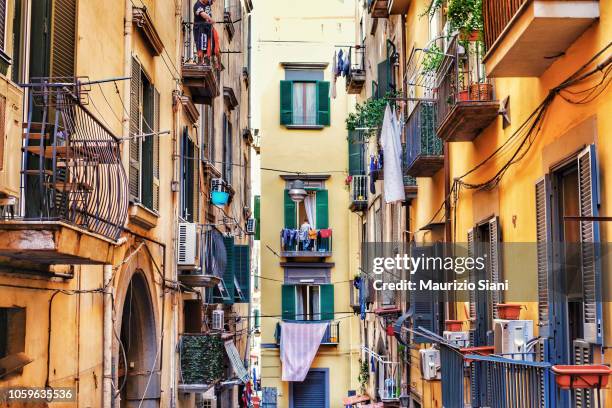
column 433, row 59
column 465, row 16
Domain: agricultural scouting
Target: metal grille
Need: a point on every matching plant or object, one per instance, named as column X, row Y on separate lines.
column 583, row 354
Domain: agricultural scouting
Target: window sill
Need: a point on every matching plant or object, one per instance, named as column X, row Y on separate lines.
column 142, row 216
column 305, row 127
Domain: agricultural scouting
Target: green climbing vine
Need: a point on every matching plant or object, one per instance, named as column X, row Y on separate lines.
column 364, row 374
column 201, row 359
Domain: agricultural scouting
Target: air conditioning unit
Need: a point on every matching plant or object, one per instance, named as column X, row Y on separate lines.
column 430, row 364
column 511, row 338
column 187, row 246
column 218, row 319
column 250, row 226
column 458, row 338
column 217, row 184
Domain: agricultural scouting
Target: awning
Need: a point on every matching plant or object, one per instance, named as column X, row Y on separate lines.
column 299, row 343
column 237, row 364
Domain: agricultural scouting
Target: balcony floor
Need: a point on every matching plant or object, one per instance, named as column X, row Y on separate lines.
column 426, row 166
column 201, row 79
column 466, row 120
column 358, row 205
column 52, row 243
column 199, row 280
column 306, row 254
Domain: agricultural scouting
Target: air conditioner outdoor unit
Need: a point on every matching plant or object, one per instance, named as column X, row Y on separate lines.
column 430, row 364
column 250, row 226
column 511, row 338
column 218, row 317
column 187, row 246
column 458, row 338
column 217, row 184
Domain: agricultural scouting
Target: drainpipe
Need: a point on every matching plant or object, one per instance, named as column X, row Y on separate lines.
column 107, row 348
column 127, row 72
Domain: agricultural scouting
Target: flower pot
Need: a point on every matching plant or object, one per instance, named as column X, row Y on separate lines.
column 453, row 325
column 464, row 96
column 219, row 197
column 481, row 92
column 581, row 376
column 509, row 311
column 472, row 36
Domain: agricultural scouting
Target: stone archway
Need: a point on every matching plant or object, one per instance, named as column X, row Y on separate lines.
column 139, row 357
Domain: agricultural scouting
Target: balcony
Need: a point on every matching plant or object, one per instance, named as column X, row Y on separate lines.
column 206, row 253
column 524, row 37
column 358, row 191
column 465, row 100
column 424, row 151
column 357, row 75
column 388, row 376
column 410, row 188
column 75, row 189
column 201, row 361
column 292, row 246
column 378, row 8
column 330, row 338
column 398, row 6
column 201, row 79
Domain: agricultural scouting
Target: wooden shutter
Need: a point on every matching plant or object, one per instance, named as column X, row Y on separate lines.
column 286, row 102
column 63, row 38
column 135, row 143
column 196, row 183
column 192, row 316
column 322, row 209
column 290, row 209
column 257, row 212
column 288, row 302
column 589, row 239
column 327, row 302
column 423, row 302
column 356, row 154
column 383, row 79
column 323, row 104
column 228, row 275
column 583, row 355
column 156, row 116
column 544, row 254
column 495, row 263
column 242, row 267
column 471, row 278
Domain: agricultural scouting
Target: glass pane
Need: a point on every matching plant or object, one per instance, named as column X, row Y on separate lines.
column 304, row 103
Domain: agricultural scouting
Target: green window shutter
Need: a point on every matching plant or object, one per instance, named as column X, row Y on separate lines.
column 242, row 266
column 156, row 116
column 327, row 302
column 322, row 209
column 323, row 104
column 286, row 102
column 228, row 275
column 257, row 318
column 356, row 156
column 423, row 301
column 288, row 302
column 257, row 212
column 290, row 216
column 383, row 79
column 135, row 143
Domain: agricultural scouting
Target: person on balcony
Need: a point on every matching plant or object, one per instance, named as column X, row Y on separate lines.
column 304, row 238
column 203, row 29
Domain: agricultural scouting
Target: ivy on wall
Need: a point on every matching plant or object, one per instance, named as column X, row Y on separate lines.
column 201, row 359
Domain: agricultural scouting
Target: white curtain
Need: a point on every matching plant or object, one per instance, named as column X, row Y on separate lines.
column 310, row 207
column 305, row 103
column 299, row 303
column 315, row 301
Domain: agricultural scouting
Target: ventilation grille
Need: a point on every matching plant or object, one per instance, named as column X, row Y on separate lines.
column 187, row 244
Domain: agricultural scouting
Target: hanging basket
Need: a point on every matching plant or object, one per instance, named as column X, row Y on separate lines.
column 581, row 376
column 219, row 197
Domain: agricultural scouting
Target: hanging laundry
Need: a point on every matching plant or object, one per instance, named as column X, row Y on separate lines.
column 391, row 143
column 299, row 343
column 346, row 68
column 340, row 64
column 326, row 233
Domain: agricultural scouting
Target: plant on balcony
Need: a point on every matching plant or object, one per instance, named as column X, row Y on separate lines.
column 465, row 16
column 364, row 374
column 369, row 114
column 433, row 59
column 201, row 359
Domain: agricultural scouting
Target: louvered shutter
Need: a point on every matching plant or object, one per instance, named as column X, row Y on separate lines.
column 383, row 79
column 63, row 38
column 471, row 293
column 228, row 275
column 327, row 302
column 156, row 119
column 135, row 143
column 544, row 255
column 323, row 104
column 290, row 212
column 3, row 25
column 422, row 301
column 589, row 241
column 356, row 154
column 312, row 392
column 322, row 209
column 257, row 212
column 242, row 268
column 196, row 183
column 495, row 263
column 583, row 355
column 288, row 302
column 286, row 102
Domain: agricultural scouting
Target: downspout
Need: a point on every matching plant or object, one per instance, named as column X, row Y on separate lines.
column 107, row 357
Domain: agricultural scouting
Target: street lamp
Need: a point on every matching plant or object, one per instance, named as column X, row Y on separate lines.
column 297, row 191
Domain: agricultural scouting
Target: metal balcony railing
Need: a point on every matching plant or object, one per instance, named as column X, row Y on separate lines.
column 71, row 169
column 496, row 16
column 359, row 191
column 293, row 245
column 424, row 148
column 330, row 338
column 388, row 376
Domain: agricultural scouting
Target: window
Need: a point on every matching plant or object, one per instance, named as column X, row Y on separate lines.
column 189, row 197
column 305, row 103
column 256, row 319
column 12, row 336
column 207, row 132
column 314, row 209
column 308, row 302
column 227, row 150
column 144, row 151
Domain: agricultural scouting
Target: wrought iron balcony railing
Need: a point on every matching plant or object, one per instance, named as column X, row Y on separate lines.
column 497, row 15
column 200, row 76
column 424, row 149
column 71, row 166
column 359, row 192
column 356, row 75
column 330, row 338
column 293, row 245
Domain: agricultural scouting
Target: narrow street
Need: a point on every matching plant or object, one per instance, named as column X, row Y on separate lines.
column 305, row 204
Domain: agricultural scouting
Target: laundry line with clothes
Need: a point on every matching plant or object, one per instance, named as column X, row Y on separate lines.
column 306, row 239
